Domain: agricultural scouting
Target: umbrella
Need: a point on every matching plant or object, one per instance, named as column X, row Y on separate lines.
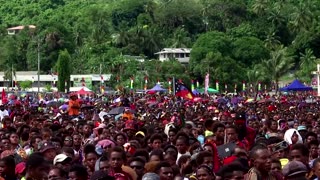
column 64, row 107
column 52, row 103
column 250, row 100
column 118, row 116
column 262, row 101
column 117, row 110
column 222, row 101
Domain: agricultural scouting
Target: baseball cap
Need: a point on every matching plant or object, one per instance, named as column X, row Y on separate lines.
column 140, row 133
column 60, row 158
column 151, row 176
column 294, row 168
column 302, row 128
column 46, row 146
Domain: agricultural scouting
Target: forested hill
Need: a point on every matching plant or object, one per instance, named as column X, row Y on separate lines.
column 243, row 35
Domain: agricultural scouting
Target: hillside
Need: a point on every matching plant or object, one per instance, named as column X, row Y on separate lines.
column 235, row 40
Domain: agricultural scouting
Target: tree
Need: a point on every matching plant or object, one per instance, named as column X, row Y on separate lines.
column 64, row 70
column 308, row 63
column 25, row 84
column 280, row 62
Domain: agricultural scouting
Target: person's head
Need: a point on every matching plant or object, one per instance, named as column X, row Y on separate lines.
column 313, row 148
column 7, row 167
column 182, row 142
column 205, row 158
column 120, row 139
column 170, row 149
column 156, row 155
column 204, row 172
column 57, row 173
column 87, row 130
column 295, row 170
column 117, row 158
column 232, row 171
column 260, row 159
column 218, row 130
column 172, row 133
column 68, row 141
column 137, row 164
column 275, row 165
column 156, row 141
column 37, row 167
column 90, row 155
column 299, row 152
column 5, row 144
column 14, row 139
column 310, row 136
column 164, row 170
column 78, row 172
column 104, row 164
column 142, row 154
column 62, row 161
column 232, row 134
column 208, row 124
column 316, row 167
column 77, row 140
column 48, row 150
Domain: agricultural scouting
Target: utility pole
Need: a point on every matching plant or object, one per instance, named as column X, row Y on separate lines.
column 38, row 66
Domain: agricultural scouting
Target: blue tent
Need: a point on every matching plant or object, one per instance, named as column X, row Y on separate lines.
column 157, row 88
column 296, row 85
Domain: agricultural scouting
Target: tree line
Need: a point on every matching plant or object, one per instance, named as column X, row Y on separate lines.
column 234, row 40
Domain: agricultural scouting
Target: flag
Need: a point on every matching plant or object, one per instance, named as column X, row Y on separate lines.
column 4, row 97
column 183, row 91
column 206, row 83
column 192, row 85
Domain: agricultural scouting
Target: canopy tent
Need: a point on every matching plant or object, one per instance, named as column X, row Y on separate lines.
column 83, row 92
column 210, row 90
column 296, row 85
column 157, row 88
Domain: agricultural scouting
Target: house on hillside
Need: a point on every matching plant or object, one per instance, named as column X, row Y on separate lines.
column 17, row 29
column 181, row 54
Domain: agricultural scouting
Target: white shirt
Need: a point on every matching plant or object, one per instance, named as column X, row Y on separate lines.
column 3, row 113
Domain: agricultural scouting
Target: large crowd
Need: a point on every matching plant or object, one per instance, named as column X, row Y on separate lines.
column 160, row 137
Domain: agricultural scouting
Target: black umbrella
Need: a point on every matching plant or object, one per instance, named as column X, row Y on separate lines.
column 117, row 110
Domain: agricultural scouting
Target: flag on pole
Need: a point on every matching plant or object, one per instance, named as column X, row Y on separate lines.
column 206, row 83
column 226, row 88
column 131, row 83
column 235, row 88
column 192, row 85
column 183, row 91
column 145, row 83
column 259, row 86
column 169, row 82
column 197, row 84
column 243, row 86
column 217, row 85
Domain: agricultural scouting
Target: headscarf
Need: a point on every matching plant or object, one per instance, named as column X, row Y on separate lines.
column 288, row 135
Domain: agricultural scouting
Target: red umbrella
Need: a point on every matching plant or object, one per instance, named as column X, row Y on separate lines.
column 83, row 92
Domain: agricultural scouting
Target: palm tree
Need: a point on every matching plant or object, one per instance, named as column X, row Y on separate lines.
column 272, row 41
column 260, row 6
column 302, row 17
column 279, row 64
column 180, row 38
column 308, row 63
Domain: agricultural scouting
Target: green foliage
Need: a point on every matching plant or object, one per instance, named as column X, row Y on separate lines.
column 25, row 85
column 227, row 37
column 64, row 70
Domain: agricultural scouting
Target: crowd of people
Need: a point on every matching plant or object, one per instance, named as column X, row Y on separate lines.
column 161, row 137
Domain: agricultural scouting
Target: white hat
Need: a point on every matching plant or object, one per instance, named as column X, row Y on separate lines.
column 60, row 158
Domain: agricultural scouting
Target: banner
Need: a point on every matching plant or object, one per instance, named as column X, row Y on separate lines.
column 259, row 86
column 197, row 84
column 243, row 86
column 206, row 84
column 83, row 82
column 145, row 83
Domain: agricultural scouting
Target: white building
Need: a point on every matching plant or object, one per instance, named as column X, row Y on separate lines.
column 181, row 54
column 17, row 29
column 51, row 78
